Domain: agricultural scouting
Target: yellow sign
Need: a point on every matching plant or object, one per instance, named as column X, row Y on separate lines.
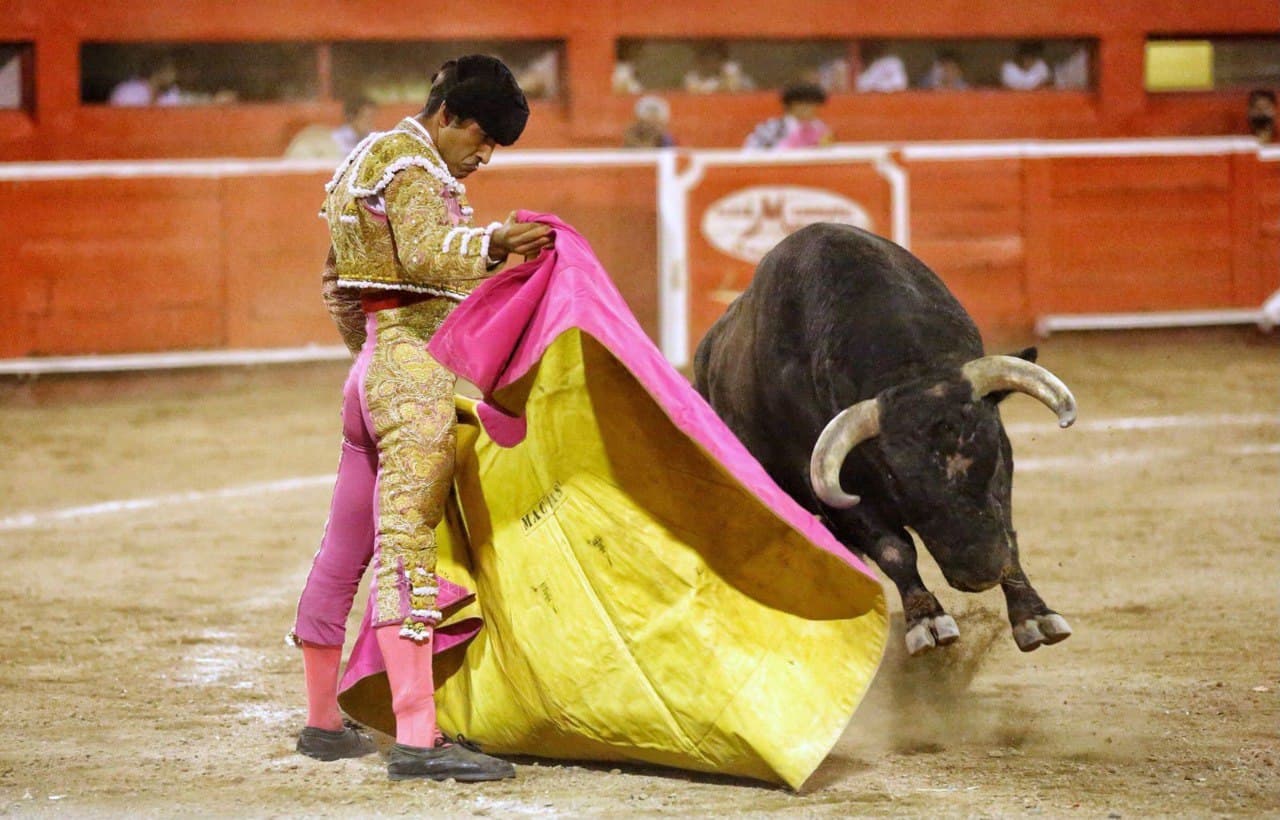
column 1179, row 65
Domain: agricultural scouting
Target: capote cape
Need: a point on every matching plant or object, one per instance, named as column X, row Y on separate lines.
column 621, row 579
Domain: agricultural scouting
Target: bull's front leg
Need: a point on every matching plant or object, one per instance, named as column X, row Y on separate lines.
column 1034, row 623
column 928, row 624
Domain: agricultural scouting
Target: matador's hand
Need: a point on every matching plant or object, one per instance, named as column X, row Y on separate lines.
column 525, row 238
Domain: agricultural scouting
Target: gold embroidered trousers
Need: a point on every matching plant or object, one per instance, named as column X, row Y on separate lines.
column 394, row 478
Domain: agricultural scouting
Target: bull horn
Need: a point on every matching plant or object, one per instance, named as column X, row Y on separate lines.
column 992, row 373
column 847, row 430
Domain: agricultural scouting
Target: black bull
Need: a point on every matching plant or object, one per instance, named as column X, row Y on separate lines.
column 848, row 364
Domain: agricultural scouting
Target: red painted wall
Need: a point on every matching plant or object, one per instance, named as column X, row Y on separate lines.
column 589, row 114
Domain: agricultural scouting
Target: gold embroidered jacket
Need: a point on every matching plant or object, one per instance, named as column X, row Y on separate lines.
column 398, row 220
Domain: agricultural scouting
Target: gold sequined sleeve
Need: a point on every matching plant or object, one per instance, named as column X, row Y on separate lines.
column 433, row 251
column 344, row 306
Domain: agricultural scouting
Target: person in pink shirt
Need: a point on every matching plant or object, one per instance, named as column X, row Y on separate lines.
column 799, row 126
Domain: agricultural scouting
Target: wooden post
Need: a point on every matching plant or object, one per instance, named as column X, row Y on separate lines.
column 324, row 72
column 1037, row 237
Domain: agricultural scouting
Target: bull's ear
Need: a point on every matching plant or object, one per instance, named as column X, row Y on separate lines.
column 1028, row 353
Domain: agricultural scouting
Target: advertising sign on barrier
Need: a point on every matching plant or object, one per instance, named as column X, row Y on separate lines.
column 749, row 222
column 738, row 213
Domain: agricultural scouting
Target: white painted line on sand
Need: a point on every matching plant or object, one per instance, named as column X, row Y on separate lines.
column 1090, row 461
column 29, row 520
column 511, row 807
column 1153, row 422
column 221, row 661
column 24, row 521
column 1255, row 450
column 1115, row 458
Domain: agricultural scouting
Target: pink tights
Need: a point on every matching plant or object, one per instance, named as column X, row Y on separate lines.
column 412, row 686
column 409, row 673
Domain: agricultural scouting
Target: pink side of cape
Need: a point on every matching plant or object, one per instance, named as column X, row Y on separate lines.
column 503, row 328
column 501, row 331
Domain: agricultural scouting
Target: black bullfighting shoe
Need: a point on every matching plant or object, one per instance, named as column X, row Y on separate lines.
column 463, row 761
column 326, row 744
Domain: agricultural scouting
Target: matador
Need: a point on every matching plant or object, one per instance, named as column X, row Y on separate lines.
column 403, row 254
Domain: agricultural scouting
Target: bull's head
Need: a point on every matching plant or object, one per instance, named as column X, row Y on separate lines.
column 941, row 458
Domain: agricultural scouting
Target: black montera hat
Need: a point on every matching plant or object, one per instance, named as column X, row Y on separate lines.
column 485, row 90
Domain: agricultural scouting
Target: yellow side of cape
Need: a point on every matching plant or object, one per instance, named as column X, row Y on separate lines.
column 638, row 603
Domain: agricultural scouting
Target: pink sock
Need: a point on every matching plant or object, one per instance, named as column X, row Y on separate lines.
column 412, row 686
column 320, row 667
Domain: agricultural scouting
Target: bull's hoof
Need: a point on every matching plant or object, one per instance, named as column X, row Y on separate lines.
column 1041, row 630
column 1028, row 635
column 931, row 632
column 1054, row 627
column 920, row 639
column 945, row 630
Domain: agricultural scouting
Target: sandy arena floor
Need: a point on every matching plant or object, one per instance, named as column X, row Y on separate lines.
column 143, row 671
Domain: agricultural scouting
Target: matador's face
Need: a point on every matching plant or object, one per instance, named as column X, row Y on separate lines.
column 463, row 145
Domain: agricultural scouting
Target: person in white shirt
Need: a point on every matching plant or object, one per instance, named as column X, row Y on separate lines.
column 1027, row 70
column 881, row 71
column 714, row 73
column 624, row 80
column 540, row 79
column 1072, row 74
column 322, row 142
column 357, row 123
column 946, row 73
column 159, row 87
column 10, row 80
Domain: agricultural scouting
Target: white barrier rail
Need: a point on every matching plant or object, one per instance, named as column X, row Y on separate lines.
column 119, row 363
column 1054, row 323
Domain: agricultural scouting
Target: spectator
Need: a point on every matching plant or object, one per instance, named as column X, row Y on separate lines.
column 881, row 71
column 1262, row 114
column 733, row 78
column 833, row 76
column 159, row 87
column 1072, row 74
column 713, row 72
column 323, row 142
column 650, row 127
column 625, row 80
column 10, row 79
column 798, row 127
column 946, row 73
column 1027, row 70
column 357, row 123
column 540, row 79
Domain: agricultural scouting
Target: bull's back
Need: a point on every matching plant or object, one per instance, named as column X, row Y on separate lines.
column 834, row 268
column 833, row 315
column 724, row 365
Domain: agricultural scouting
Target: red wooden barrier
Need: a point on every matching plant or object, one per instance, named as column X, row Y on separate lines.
column 968, row 223
column 167, row 263
column 231, row 259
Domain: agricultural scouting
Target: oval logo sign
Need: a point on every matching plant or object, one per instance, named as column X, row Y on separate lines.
column 747, row 223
